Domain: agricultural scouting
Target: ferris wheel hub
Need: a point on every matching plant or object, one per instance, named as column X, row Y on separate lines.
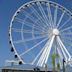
column 55, row 32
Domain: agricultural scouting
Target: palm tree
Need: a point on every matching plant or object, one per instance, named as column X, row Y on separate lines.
column 58, row 67
column 54, row 56
column 53, row 61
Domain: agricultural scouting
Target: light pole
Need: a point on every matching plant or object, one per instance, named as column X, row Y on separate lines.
column 63, row 65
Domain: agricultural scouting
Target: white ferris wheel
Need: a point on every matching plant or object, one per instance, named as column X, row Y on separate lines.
column 39, row 28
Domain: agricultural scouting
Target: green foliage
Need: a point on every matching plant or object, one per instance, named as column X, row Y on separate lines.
column 58, row 67
column 53, row 60
column 54, row 56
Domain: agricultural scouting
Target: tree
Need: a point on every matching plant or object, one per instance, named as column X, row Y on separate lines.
column 54, row 56
column 53, row 61
column 58, row 67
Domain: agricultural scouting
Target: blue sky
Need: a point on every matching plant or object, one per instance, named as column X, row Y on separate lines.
column 7, row 9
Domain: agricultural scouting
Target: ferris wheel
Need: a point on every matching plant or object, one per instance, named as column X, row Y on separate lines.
column 39, row 28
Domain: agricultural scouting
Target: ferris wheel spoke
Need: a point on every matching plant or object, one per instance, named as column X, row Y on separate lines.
column 65, row 29
column 67, row 33
column 26, row 40
column 68, row 43
column 27, row 31
column 22, row 29
column 43, row 13
column 38, row 16
column 67, row 38
column 55, row 15
column 19, row 20
column 33, row 47
column 49, row 15
column 37, row 21
column 58, row 24
column 33, row 32
column 28, row 24
column 65, row 23
column 19, row 30
column 28, row 15
column 37, row 27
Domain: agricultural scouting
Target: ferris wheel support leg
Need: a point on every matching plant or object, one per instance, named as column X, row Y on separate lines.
column 40, row 60
column 62, row 49
column 43, row 58
column 65, row 48
column 46, row 52
column 43, row 55
column 49, row 49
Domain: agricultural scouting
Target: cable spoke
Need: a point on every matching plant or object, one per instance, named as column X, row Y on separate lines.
column 64, row 23
column 34, row 46
column 22, row 29
column 25, row 40
column 38, row 16
column 33, row 32
column 33, row 20
column 42, row 12
column 50, row 15
column 26, row 31
column 68, row 43
column 35, row 26
column 67, row 33
column 58, row 24
column 67, row 38
column 55, row 15
column 65, row 29
column 28, row 24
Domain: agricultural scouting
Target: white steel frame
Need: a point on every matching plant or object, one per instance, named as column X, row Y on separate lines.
column 44, row 53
